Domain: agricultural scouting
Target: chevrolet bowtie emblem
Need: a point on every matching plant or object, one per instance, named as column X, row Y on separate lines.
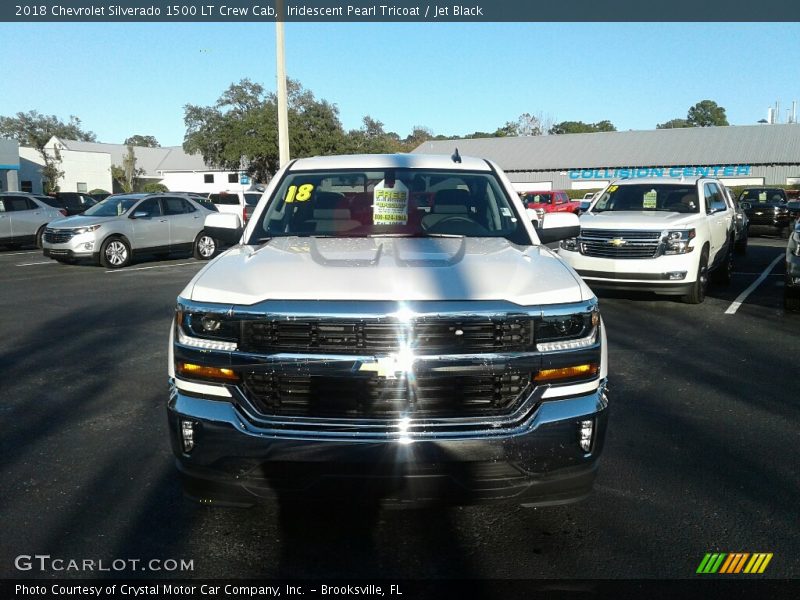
column 617, row 242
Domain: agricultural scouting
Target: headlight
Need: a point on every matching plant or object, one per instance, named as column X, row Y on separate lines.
column 677, row 242
column 567, row 332
column 796, row 242
column 88, row 229
column 207, row 331
column 570, row 244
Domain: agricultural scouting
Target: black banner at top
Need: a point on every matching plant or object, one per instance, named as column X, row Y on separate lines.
column 242, row 11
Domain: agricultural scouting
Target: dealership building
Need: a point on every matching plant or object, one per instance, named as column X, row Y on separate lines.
column 749, row 155
column 87, row 166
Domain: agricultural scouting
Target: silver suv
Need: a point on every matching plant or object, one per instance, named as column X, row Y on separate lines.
column 113, row 231
column 23, row 218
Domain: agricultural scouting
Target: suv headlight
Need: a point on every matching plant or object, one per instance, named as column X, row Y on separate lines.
column 567, row 332
column 677, row 241
column 88, row 229
column 796, row 242
column 570, row 244
column 207, row 331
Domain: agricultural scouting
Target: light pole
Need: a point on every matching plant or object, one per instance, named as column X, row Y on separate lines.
column 283, row 102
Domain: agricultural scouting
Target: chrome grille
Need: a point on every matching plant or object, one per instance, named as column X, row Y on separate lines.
column 424, row 336
column 58, row 236
column 372, row 396
column 620, row 243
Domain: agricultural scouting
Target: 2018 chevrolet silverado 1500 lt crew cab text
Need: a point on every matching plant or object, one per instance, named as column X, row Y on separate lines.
column 356, row 343
column 659, row 235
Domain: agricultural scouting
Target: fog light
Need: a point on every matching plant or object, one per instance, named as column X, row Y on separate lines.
column 676, row 275
column 586, row 371
column 194, row 371
column 88, row 246
column 187, row 434
column 586, row 434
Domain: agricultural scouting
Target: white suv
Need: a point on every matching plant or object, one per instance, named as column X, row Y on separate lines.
column 659, row 235
column 238, row 202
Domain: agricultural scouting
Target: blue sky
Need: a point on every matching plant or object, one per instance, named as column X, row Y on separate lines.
column 130, row 78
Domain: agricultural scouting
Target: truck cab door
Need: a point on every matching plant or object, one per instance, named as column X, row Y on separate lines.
column 720, row 220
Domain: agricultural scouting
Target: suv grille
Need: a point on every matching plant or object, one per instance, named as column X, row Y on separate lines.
column 611, row 243
column 58, row 236
column 424, row 336
column 370, row 396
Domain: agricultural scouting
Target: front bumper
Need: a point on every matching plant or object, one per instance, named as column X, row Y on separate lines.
column 535, row 461
column 666, row 274
column 80, row 246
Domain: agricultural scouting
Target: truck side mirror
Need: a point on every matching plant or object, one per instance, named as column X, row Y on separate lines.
column 226, row 227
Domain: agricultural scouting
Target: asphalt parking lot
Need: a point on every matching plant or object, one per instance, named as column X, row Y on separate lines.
column 701, row 454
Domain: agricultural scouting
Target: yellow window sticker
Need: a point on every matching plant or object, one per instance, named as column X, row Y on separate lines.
column 649, row 200
column 299, row 194
column 390, row 204
column 762, row 196
column 613, row 188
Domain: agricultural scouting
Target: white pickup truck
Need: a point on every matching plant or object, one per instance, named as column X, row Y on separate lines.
column 389, row 327
column 659, row 235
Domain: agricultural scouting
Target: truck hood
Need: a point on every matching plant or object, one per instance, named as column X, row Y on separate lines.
column 307, row 268
column 624, row 219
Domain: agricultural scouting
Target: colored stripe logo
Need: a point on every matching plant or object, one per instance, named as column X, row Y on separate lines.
column 734, row 562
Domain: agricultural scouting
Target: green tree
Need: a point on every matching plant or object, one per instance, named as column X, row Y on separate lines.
column 127, row 175
column 419, row 134
column 34, row 130
column 146, row 141
column 371, row 138
column 706, row 113
column 241, row 129
column 673, row 124
column 581, row 127
column 153, row 188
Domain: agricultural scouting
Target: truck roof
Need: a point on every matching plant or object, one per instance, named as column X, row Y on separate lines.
column 383, row 161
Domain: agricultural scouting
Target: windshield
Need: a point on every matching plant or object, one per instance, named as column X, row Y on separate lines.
column 252, row 198
column 649, row 198
column 399, row 202
column 537, row 198
column 764, row 195
column 113, row 206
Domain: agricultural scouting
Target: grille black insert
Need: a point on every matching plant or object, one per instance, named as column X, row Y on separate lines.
column 612, row 243
column 423, row 336
column 57, row 236
column 370, row 396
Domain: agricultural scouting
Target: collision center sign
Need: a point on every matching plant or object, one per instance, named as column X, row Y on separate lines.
column 629, row 172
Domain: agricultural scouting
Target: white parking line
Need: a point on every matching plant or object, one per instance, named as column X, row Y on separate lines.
column 49, row 262
column 18, row 253
column 731, row 310
column 145, row 268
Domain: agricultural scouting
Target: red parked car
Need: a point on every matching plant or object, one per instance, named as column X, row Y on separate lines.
column 552, row 201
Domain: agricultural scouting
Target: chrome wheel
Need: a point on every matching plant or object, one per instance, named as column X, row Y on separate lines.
column 206, row 246
column 116, row 253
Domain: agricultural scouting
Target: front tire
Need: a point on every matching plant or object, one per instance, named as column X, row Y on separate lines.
column 115, row 253
column 698, row 291
column 205, row 246
column 791, row 302
column 722, row 274
column 741, row 245
column 39, row 235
